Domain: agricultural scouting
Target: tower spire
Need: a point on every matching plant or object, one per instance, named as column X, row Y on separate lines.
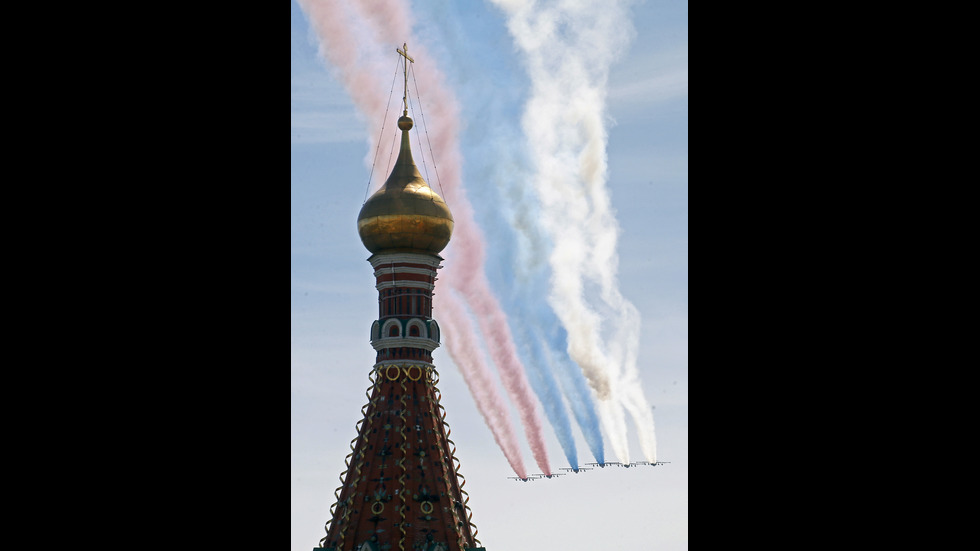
column 402, row 489
column 404, row 52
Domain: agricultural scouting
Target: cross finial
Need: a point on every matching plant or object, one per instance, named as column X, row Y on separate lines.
column 404, row 52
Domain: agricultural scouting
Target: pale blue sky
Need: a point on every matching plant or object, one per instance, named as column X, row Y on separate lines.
column 333, row 300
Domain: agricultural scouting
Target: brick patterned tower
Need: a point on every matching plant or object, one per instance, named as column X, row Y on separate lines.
column 402, row 489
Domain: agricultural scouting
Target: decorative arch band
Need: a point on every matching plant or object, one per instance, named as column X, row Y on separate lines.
column 412, row 372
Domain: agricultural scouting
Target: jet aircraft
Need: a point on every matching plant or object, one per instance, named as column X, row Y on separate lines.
column 603, row 465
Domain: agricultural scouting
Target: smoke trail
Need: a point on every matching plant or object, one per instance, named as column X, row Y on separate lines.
column 545, row 385
column 568, row 46
column 517, row 240
column 576, row 390
column 359, row 63
column 550, row 377
column 642, row 414
column 379, row 22
column 478, row 379
column 527, row 282
column 466, row 276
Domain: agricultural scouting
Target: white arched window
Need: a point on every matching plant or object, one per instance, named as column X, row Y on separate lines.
column 416, row 328
column 391, row 328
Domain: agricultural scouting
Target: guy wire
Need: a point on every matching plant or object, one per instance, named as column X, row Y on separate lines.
column 425, row 167
column 394, row 139
column 383, row 122
column 434, row 167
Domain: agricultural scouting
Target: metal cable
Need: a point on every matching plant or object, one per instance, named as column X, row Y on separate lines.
column 383, row 122
column 418, row 137
column 434, row 166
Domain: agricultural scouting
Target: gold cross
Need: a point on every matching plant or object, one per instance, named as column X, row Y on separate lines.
column 404, row 53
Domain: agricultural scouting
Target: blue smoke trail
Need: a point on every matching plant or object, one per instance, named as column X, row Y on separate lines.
column 543, row 339
column 520, row 277
column 576, row 389
column 543, row 383
column 491, row 87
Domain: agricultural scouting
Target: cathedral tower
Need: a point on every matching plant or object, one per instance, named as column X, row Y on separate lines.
column 402, row 489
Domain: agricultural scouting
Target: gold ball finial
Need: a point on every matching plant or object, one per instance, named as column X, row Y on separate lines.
column 405, row 122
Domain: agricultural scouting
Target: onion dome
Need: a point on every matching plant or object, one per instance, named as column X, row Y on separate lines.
column 405, row 215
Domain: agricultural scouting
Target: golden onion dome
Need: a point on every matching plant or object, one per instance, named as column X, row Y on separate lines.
column 405, row 215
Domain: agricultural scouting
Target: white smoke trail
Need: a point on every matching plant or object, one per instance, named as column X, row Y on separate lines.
column 464, row 348
column 568, row 47
column 491, row 94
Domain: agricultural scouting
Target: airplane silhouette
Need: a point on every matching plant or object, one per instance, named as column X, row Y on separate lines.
column 603, row 465
column 528, row 479
column 628, row 465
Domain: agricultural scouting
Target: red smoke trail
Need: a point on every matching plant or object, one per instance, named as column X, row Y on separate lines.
column 463, row 346
column 346, row 49
column 359, row 64
column 466, row 276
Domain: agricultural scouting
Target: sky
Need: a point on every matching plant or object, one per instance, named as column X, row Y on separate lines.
column 501, row 78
